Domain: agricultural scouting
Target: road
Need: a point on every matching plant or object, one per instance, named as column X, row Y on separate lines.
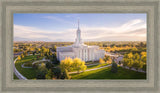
column 19, row 75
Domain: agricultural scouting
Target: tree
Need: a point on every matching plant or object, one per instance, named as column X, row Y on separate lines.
column 66, row 75
column 130, row 55
column 101, row 61
column 141, row 65
column 144, row 58
column 25, row 53
column 114, row 67
column 136, row 64
column 42, row 54
column 130, row 63
column 119, row 62
column 33, row 53
column 79, row 65
column 41, row 71
column 57, row 72
column 49, row 65
column 143, row 53
column 22, row 56
column 54, row 48
column 49, row 74
column 125, row 62
column 136, row 56
column 18, row 58
column 107, row 59
column 50, row 52
column 83, row 66
column 66, row 64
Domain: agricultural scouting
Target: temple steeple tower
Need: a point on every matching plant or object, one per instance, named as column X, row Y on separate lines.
column 78, row 36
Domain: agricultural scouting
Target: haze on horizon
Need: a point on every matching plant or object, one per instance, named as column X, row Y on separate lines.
column 94, row 27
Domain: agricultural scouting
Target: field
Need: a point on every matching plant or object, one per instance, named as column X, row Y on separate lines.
column 105, row 73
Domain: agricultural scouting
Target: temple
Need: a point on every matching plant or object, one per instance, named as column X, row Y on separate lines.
column 80, row 50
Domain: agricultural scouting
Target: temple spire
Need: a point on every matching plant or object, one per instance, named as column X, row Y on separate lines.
column 78, row 23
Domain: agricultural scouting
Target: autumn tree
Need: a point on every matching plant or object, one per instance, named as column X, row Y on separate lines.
column 54, row 48
column 130, row 63
column 101, row 61
column 136, row 64
column 25, row 53
column 136, row 56
column 144, row 57
column 107, row 59
column 83, row 66
column 77, row 63
column 22, row 56
column 125, row 62
column 18, row 58
column 66, row 64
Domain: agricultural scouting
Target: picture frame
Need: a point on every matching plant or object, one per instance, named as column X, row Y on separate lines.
column 9, row 7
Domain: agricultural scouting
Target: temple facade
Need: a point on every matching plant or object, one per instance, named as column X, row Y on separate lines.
column 80, row 50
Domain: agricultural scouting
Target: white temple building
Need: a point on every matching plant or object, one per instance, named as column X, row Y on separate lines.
column 80, row 50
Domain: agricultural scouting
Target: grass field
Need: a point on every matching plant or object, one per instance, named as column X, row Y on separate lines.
column 29, row 73
column 15, row 77
column 105, row 73
column 90, row 62
column 96, row 66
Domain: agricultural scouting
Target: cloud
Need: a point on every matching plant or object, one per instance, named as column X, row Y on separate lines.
column 57, row 19
column 32, row 33
column 132, row 30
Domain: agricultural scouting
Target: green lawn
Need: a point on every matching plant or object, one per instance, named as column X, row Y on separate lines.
column 15, row 77
column 105, row 73
column 96, row 66
column 90, row 62
column 29, row 73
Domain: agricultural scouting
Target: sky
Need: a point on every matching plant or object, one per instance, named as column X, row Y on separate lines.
column 60, row 27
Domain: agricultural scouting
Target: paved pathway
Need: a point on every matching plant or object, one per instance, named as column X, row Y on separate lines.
column 90, row 69
column 40, row 61
column 134, row 69
column 24, row 66
column 19, row 75
column 92, row 64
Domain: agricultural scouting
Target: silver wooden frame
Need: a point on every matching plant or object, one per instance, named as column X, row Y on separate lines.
column 150, row 7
